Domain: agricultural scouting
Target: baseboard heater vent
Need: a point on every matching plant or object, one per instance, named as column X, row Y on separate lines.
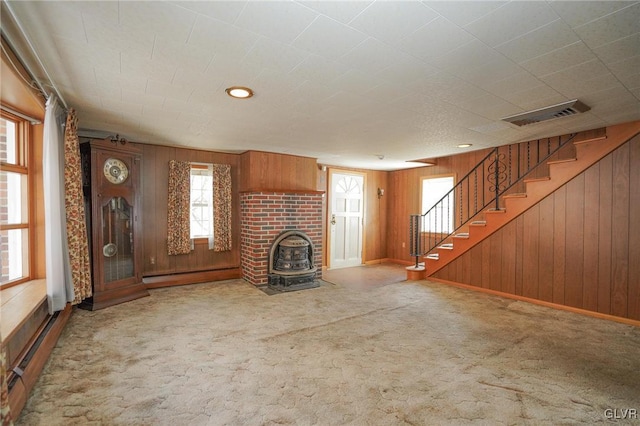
column 24, row 362
column 564, row 109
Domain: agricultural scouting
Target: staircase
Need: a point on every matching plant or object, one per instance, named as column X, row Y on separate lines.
column 588, row 149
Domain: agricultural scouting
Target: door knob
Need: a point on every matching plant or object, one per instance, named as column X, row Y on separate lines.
column 333, row 219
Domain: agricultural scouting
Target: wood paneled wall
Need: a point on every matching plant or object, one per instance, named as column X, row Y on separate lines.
column 155, row 186
column 269, row 171
column 404, row 191
column 578, row 247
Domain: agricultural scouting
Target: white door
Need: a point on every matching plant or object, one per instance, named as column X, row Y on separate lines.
column 345, row 219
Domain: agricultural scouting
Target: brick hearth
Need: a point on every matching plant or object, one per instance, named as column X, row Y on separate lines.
column 264, row 215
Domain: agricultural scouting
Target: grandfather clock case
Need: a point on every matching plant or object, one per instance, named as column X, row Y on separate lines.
column 113, row 202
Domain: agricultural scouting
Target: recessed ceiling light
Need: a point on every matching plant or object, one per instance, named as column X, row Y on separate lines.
column 465, row 145
column 239, row 92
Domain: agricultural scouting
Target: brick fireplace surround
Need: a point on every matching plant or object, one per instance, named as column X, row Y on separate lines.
column 264, row 215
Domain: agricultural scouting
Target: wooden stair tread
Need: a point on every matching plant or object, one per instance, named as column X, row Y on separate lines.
column 538, row 179
column 494, row 211
column 564, row 160
column 478, row 223
column 462, row 235
column 595, row 139
column 516, row 195
column 433, row 256
column 446, row 246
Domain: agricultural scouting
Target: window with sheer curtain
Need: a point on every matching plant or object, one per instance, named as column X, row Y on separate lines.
column 14, row 199
column 199, row 206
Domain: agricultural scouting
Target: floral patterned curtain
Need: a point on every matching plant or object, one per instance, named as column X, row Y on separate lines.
column 222, row 207
column 74, row 203
column 178, row 212
column 5, row 411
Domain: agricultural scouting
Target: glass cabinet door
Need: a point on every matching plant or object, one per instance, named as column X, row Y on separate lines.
column 117, row 239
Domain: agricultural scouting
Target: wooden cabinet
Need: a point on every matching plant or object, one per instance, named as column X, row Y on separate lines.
column 113, row 200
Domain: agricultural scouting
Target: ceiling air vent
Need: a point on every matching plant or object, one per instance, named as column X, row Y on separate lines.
column 548, row 113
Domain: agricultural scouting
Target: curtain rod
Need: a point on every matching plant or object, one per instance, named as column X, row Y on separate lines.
column 35, row 53
column 33, row 120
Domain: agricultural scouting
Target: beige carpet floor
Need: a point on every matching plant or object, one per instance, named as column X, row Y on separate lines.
column 417, row 353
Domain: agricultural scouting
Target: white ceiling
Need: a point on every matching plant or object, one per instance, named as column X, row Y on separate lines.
column 345, row 82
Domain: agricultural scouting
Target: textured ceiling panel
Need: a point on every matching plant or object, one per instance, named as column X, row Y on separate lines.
column 342, row 81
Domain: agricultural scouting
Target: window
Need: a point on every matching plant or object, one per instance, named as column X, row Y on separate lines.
column 14, row 200
column 201, row 203
column 433, row 190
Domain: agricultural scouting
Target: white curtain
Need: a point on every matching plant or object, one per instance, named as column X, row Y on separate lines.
column 210, row 201
column 59, row 283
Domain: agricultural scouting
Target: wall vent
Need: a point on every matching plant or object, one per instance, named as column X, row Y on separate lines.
column 564, row 109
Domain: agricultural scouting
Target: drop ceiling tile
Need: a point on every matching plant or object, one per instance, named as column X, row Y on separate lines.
column 328, row 38
column 342, row 11
column 631, row 81
column 163, row 19
column 576, row 13
column 435, row 39
column 406, row 70
column 488, row 73
column 122, row 107
column 67, row 51
column 371, row 56
column 513, row 84
column 187, row 55
column 276, row 82
column 168, row 90
column 67, row 18
column 619, row 50
column 611, row 98
column 574, row 88
column 511, row 20
column 490, row 106
column 227, row 11
column 408, row 17
column 539, row 42
column 610, row 28
column 219, row 38
column 447, row 87
column 191, row 78
column 470, row 55
column 154, row 69
column 142, row 98
column 267, row 53
column 558, row 60
column 112, row 80
column 580, row 79
column 281, row 21
column 355, row 81
column 134, row 40
column 628, row 69
column 534, row 98
column 464, row 12
column 318, row 69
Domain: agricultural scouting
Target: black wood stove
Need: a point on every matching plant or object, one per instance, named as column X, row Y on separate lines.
column 291, row 265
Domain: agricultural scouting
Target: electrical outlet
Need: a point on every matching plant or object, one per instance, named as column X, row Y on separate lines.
column 403, row 245
column 152, row 260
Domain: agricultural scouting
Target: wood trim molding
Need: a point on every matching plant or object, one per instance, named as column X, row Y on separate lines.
column 598, row 315
column 282, row 191
column 191, row 278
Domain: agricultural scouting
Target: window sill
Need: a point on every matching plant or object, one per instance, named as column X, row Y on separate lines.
column 18, row 303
